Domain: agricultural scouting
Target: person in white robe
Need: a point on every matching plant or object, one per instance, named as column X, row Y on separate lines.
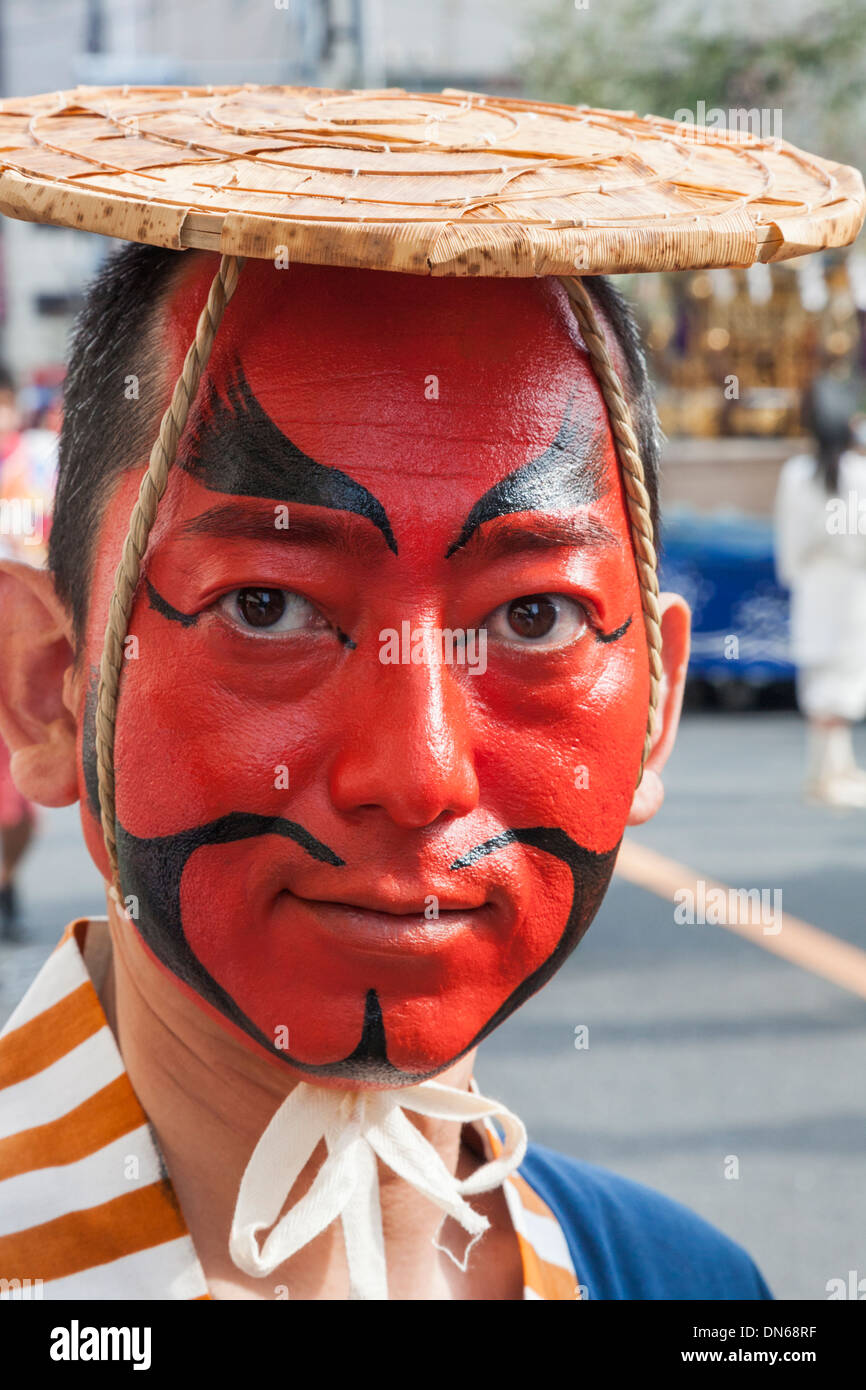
column 820, row 517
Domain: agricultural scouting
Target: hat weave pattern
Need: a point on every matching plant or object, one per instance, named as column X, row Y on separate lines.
column 450, row 183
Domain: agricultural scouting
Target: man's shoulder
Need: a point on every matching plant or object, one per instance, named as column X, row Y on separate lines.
column 56, row 1053
column 630, row 1242
column 85, row 1205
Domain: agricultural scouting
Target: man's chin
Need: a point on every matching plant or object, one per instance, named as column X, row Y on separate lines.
column 415, row 1044
column 364, row 1065
column 360, row 992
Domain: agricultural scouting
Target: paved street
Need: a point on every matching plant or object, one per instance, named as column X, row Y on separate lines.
column 704, row 1048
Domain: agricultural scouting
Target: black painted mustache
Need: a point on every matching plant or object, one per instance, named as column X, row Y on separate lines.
column 152, row 869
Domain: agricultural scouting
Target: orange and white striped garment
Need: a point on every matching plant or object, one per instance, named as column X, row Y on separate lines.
column 87, row 1210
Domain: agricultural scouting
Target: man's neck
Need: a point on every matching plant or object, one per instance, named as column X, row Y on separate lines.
column 209, row 1097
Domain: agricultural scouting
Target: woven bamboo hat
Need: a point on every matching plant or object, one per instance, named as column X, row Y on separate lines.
column 451, row 183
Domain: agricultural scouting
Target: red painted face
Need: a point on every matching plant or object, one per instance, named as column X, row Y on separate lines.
column 361, row 842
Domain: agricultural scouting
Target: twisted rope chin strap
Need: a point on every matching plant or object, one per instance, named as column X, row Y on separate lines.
column 637, row 498
column 358, row 1127
column 127, row 574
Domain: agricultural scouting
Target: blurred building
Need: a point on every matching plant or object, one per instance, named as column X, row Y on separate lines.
column 731, row 351
column 426, row 44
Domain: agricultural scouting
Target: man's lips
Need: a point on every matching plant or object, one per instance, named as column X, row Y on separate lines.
column 401, row 904
column 378, row 923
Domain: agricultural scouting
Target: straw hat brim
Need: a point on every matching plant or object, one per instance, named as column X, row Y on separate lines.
column 449, row 183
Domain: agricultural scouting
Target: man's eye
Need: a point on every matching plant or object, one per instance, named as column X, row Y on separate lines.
column 271, row 610
column 539, row 620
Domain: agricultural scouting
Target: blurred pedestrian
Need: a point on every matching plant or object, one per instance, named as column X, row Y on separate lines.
column 821, row 558
column 28, row 461
column 17, row 828
column 28, row 468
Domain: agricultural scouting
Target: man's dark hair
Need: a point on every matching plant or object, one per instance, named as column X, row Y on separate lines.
column 111, row 410
column 114, row 396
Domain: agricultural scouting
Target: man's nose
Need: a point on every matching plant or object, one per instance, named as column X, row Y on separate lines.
column 408, row 750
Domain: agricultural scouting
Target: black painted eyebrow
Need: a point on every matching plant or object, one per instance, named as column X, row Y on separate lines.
column 237, row 448
column 567, row 475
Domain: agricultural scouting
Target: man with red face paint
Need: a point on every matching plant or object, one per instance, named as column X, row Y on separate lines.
column 349, row 847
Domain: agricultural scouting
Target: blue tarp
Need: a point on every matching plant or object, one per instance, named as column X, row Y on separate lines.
column 722, row 564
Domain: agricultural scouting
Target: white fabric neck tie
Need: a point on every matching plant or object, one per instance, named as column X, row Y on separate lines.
column 358, row 1127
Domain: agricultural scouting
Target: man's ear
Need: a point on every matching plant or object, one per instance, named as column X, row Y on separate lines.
column 37, row 685
column 676, row 622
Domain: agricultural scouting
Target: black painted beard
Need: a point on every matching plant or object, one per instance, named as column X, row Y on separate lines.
column 151, row 871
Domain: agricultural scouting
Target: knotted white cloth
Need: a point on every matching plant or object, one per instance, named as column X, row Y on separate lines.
column 358, row 1126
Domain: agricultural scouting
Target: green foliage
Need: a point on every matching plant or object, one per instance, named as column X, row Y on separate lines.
column 661, row 57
